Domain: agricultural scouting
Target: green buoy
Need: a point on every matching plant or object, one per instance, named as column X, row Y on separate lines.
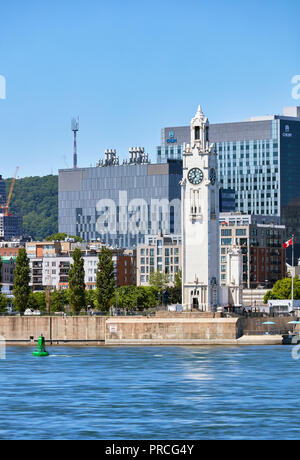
column 41, row 350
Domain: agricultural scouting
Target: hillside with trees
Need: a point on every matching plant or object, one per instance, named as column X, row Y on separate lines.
column 36, row 199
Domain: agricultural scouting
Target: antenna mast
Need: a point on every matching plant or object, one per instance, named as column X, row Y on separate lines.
column 75, row 129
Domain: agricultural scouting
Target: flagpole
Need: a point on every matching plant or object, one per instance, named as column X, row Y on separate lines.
column 293, row 273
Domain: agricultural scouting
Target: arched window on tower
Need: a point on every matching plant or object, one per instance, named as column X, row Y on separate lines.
column 197, row 133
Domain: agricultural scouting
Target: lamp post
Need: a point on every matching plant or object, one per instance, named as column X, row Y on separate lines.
column 137, row 286
column 293, row 273
column 116, row 283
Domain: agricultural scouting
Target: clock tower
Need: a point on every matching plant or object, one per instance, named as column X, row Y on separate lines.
column 200, row 219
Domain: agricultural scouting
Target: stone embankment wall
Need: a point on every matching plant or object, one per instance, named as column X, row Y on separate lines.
column 171, row 330
column 162, row 329
column 24, row 329
column 255, row 326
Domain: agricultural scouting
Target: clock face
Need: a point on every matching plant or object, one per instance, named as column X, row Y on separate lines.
column 195, row 176
column 212, row 176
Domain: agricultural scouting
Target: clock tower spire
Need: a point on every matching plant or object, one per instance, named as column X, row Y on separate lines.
column 200, row 219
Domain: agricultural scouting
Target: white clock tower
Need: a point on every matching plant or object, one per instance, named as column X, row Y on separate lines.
column 200, row 219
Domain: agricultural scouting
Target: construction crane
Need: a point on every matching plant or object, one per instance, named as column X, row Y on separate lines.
column 6, row 206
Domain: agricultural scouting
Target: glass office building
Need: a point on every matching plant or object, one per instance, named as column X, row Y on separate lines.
column 259, row 159
column 120, row 204
column 2, row 191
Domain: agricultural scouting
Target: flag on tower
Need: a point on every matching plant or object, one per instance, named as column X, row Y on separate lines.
column 288, row 243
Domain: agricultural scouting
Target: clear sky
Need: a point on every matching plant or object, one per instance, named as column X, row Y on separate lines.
column 128, row 68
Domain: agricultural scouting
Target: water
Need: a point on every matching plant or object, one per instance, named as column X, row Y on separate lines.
column 150, row 393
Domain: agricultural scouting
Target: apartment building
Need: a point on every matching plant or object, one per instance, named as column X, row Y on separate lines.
column 159, row 253
column 50, row 263
column 260, row 239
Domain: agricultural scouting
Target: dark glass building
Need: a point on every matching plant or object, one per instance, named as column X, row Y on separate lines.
column 2, row 191
column 227, row 200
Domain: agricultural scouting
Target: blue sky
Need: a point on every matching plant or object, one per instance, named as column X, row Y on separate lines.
column 128, row 68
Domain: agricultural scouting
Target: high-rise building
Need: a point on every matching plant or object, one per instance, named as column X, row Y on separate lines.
column 120, row 204
column 2, row 191
column 259, row 159
column 10, row 227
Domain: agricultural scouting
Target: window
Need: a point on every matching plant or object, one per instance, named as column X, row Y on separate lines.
column 225, row 241
column 226, row 232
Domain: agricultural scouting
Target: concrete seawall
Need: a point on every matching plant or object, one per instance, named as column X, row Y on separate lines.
column 170, row 329
column 56, row 330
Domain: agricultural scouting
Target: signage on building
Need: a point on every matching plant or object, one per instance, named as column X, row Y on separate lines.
column 287, row 132
column 172, row 139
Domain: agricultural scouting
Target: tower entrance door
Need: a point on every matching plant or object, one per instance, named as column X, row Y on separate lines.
column 196, row 303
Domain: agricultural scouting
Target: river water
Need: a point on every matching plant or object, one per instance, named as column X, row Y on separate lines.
column 151, row 393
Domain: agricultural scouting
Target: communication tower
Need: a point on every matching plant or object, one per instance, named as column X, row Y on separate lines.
column 75, row 129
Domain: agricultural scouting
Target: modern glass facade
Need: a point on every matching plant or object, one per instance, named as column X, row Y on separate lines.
column 173, row 152
column 120, row 204
column 10, row 227
column 2, row 191
column 227, row 200
column 250, row 166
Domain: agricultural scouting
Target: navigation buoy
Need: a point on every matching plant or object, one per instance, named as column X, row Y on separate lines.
column 41, row 350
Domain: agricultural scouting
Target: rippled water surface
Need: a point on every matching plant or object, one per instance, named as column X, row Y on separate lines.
column 150, row 393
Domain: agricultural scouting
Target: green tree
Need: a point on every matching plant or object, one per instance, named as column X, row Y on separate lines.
column 147, row 297
column 178, row 280
column 159, row 280
column 141, row 297
column 21, row 289
column 36, row 199
column 62, row 237
column 282, row 290
column 32, row 302
column 105, row 280
column 175, row 294
column 58, row 301
column 3, row 303
column 0, row 274
column 40, row 298
column 76, row 283
column 3, row 299
column 91, row 298
column 127, row 297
